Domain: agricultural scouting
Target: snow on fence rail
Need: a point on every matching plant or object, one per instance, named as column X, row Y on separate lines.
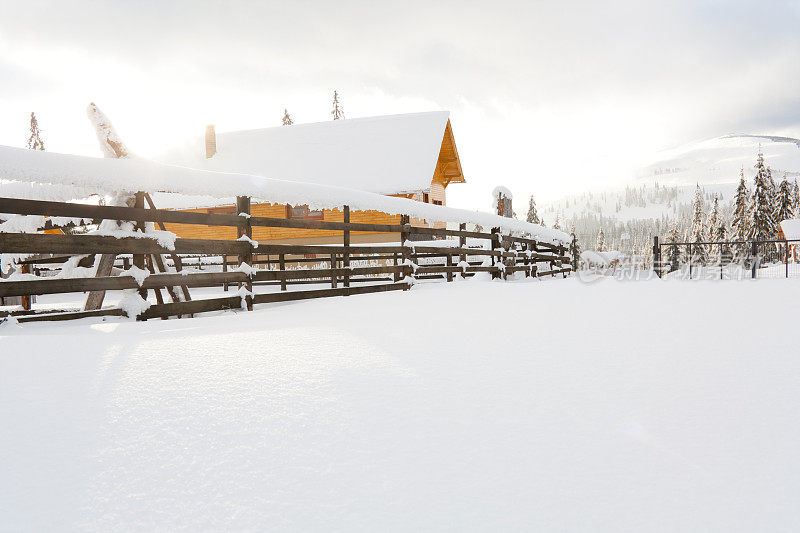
column 501, row 256
column 66, row 177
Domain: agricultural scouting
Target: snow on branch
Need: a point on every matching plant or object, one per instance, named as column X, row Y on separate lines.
column 110, row 143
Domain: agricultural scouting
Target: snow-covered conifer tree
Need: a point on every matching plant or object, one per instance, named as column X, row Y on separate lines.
column 338, row 111
column 795, row 197
column 713, row 218
column 556, row 224
column 740, row 223
column 287, row 120
column 674, row 252
column 784, row 202
column 762, row 220
column 533, row 216
column 723, row 251
column 35, row 141
column 712, row 223
column 698, row 235
column 601, row 241
column 110, row 143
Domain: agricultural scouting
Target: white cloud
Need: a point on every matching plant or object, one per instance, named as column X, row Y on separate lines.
column 547, row 97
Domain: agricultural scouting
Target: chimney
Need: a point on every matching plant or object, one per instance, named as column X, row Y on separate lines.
column 211, row 141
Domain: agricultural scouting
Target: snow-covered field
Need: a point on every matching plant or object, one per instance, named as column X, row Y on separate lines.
column 477, row 405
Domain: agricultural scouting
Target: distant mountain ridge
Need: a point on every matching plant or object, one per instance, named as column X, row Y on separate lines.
column 663, row 190
column 720, row 160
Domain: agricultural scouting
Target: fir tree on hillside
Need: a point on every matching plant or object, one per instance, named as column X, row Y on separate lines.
column 35, row 141
column 697, row 236
column 795, row 197
column 556, row 224
column 674, row 252
column 533, row 216
column 784, row 202
column 712, row 223
column 740, row 223
column 722, row 251
column 574, row 249
column 713, row 217
column 762, row 220
column 601, row 241
column 338, row 111
column 287, row 120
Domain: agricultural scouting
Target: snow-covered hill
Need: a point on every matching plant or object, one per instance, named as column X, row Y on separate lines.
column 663, row 190
column 720, row 160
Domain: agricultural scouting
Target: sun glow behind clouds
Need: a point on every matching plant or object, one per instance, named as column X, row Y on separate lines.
column 545, row 98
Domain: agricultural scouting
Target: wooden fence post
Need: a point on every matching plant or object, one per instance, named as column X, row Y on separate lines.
column 333, row 274
column 246, row 230
column 656, row 256
column 282, row 267
column 449, row 263
column 462, row 243
column 527, row 260
column 26, row 299
column 176, row 260
column 495, row 244
column 405, row 220
column 225, row 269
column 786, row 257
column 138, row 259
column 755, row 259
column 346, row 242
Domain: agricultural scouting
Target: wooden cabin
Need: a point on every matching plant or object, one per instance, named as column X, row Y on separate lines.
column 412, row 156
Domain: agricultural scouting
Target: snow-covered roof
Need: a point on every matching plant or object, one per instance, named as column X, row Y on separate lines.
column 386, row 154
column 68, row 177
column 791, row 228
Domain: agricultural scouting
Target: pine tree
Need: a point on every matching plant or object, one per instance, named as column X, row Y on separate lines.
column 795, row 197
column 338, row 111
column 698, row 250
column 713, row 217
column 574, row 249
column 712, row 223
column 784, row 202
column 724, row 254
column 533, row 216
column 740, row 224
column 601, row 241
column 556, row 224
column 35, row 141
column 287, row 120
column 762, row 221
column 674, row 252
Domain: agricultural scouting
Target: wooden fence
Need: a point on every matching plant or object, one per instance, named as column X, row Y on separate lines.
column 393, row 265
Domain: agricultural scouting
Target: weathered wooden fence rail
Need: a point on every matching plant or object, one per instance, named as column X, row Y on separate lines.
column 394, row 264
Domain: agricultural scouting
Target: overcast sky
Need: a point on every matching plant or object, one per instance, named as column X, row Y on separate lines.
column 545, row 97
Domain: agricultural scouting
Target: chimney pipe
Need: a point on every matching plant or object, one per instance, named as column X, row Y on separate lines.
column 211, row 141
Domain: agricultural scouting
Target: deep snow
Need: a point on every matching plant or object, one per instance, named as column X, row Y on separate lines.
column 475, row 405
